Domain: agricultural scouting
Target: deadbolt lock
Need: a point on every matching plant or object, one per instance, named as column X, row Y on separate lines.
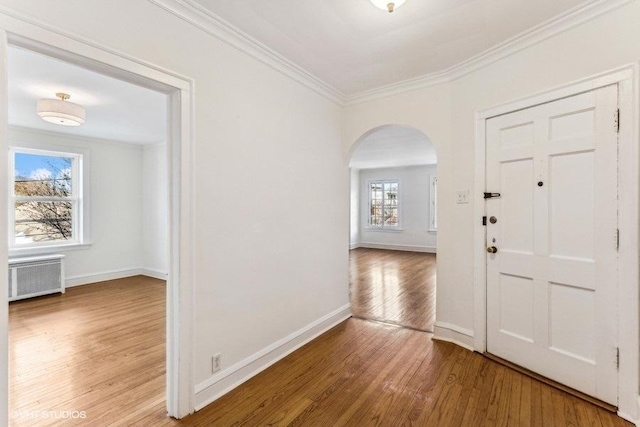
column 492, row 249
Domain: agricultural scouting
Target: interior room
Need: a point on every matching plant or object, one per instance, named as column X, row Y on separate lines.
column 532, row 111
column 393, row 228
column 88, row 233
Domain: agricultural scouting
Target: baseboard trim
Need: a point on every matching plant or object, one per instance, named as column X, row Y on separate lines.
column 220, row 384
column 391, row 247
column 628, row 417
column 154, row 273
column 354, row 246
column 87, row 279
column 448, row 332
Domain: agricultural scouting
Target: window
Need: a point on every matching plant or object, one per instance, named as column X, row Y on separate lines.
column 46, row 206
column 433, row 204
column 383, row 204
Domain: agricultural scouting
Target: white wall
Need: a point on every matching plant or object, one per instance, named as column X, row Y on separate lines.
column 270, row 180
column 354, row 210
column 415, row 187
column 115, row 207
column 265, row 145
column 155, row 223
column 446, row 113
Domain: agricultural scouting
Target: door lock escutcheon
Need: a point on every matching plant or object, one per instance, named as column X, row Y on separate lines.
column 493, row 220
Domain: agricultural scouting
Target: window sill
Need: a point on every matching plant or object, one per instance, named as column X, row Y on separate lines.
column 52, row 249
column 384, row 230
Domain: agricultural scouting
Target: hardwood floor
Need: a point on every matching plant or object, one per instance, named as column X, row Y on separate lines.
column 393, row 286
column 368, row 374
column 100, row 349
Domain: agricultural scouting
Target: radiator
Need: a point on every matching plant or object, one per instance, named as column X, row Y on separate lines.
column 35, row 276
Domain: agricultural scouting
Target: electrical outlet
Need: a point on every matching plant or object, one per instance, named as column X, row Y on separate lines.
column 215, row 363
column 462, row 196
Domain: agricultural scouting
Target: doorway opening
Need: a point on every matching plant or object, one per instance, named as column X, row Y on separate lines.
column 95, row 196
column 392, row 257
column 176, row 385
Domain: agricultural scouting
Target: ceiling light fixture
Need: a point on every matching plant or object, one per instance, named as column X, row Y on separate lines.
column 388, row 5
column 60, row 111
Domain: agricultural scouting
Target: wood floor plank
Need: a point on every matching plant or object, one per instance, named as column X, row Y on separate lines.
column 525, row 411
column 344, row 392
column 370, row 407
column 71, row 352
column 340, row 360
column 393, row 286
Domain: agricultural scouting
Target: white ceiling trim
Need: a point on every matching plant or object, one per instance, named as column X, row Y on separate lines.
column 41, row 44
column 212, row 24
column 207, row 21
column 533, row 36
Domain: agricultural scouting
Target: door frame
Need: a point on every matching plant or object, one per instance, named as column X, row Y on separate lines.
column 18, row 30
column 627, row 294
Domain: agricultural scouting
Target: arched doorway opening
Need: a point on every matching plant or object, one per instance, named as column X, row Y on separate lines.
column 393, row 231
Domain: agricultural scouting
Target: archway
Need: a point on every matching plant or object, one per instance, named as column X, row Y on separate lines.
column 393, row 171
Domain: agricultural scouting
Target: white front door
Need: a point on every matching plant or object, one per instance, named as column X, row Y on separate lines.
column 551, row 284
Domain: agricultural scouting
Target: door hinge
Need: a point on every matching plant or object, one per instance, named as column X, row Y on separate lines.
column 617, row 357
column 616, row 120
column 484, row 220
column 617, row 239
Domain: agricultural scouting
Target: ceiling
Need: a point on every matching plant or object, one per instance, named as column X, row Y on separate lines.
column 393, row 146
column 354, row 46
column 116, row 110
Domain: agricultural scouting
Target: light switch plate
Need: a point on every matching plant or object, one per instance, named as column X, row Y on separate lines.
column 462, row 196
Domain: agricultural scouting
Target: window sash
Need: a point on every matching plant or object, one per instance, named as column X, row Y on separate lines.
column 75, row 198
column 384, row 204
column 73, row 220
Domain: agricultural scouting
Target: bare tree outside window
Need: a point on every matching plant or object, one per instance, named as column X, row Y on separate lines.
column 44, row 202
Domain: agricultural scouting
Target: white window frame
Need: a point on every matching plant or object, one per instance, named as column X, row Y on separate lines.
column 383, row 227
column 80, row 183
column 433, row 206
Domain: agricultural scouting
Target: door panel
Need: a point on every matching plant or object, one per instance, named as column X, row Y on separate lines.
column 551, row 285
column 517, row 227
column 571, row 205
column 516, row 301
column 576, row 339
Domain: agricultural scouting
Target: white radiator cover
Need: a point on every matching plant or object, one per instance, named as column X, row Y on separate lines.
column 35, row 276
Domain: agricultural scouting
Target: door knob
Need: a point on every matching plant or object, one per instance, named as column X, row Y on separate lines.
column 492, row 249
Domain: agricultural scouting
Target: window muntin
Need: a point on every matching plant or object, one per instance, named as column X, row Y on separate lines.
column 384, row 204
column 46, row 198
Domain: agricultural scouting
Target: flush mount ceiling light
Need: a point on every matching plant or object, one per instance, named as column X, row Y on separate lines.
column 389, row 5
column 60, row 111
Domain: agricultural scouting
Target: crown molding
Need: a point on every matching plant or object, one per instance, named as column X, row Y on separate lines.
column 202, row 18
column 161, row 75
column 197, row 15
column 537, row 34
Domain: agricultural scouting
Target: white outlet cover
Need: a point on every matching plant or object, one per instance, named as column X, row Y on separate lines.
column 215, row 363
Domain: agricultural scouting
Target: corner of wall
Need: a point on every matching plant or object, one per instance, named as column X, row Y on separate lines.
column 629, row 417
column 448, row 332
column 221, row 383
